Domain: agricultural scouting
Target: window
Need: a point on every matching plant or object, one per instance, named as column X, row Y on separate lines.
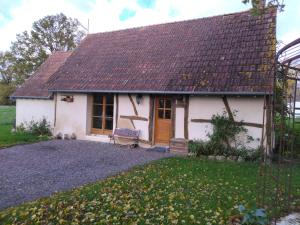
column 103, row 114
column 164, row 108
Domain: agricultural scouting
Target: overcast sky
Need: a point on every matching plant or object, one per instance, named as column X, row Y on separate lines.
column 105, row 15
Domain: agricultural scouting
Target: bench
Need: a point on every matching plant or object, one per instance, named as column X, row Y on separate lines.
column 126, row 133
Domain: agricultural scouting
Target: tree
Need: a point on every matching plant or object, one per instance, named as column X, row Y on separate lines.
column 6, row 77
column 31, row 49
column 259, row 5
column 57, row 33
column 5, row 92
column 6, row 68
column 49, row 34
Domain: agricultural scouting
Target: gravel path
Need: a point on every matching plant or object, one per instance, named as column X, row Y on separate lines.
column 28, row 172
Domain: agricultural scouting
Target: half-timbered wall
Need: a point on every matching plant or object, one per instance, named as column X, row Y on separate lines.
column 249, row 110
column 192, row 116
column 133, row 115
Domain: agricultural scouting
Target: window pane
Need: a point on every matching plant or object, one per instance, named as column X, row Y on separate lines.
column 97, row 110
column 161, row 103
column 109, row 110
column 168, row 103
column 98, row 99
column 168, row 114
column 109, row 99
column 108, row 124
column 97, row 122
column 161, row 113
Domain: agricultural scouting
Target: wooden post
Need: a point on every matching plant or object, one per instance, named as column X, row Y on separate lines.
column 117, row 109
column 186, row 117
column 173, row 121
column 151, row 116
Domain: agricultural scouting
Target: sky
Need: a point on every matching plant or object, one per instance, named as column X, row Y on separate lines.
column 106, row 15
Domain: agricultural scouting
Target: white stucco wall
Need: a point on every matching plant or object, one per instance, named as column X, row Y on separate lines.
column 71, row 117
column 34, row 109
column 126, row 109
column 75, row 117
column 179, row 122
column 249, row 109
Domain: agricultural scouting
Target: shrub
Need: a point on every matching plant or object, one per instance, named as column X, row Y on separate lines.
column 250, row 155
column 41, row 127
column 225, row 140
column 217, row 148
column 226, row 130
column 199, row 147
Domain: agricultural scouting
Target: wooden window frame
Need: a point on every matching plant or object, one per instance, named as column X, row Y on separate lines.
column 104, row 105
column 164, row 109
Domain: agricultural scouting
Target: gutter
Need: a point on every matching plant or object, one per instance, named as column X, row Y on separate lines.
column 30, row 97
column 164, row 92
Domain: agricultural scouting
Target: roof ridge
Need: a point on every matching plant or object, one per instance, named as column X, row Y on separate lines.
column 170, row 22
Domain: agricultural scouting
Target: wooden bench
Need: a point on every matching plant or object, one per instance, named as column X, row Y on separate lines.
column 126, row 133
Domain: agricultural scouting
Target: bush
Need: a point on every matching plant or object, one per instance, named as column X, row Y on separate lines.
column 226, row 130
column 217, row 148
column 225, row 140
column 250, row 155
column 199, row 147
column 41, row 127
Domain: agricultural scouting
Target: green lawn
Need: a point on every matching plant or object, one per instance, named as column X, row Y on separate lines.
column 7, row 118
column 169, row 191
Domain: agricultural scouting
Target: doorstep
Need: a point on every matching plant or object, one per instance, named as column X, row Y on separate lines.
column 98, row 137
column 179, row 146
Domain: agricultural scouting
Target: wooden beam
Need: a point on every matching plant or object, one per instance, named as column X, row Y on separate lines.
column 180, row 104
column 186, row 117
column 55, row 109
column 151, row 115
column 268, row 121
column 132, row 123
column 117, row 109
column 225, row 101
column 201, row 120
column 263, row 129
column 173, row 119
column 258, row 125
column 133, row 105
column 134, row 118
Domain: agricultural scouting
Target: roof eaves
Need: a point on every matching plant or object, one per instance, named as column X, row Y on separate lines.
column 31, row 97
column 166, row 92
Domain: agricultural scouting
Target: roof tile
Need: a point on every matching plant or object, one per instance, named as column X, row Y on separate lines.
column 227, row 53
column 34, row 87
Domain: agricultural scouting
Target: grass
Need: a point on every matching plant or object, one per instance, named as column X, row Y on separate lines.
column 7, row 118
column 169, row 191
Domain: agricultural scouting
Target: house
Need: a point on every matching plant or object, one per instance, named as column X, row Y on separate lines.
column 165, row 80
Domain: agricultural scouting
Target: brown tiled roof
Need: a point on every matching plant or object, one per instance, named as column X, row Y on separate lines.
column 222, row 54
column 34, row 87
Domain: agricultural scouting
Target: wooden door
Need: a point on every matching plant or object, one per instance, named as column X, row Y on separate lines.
column 163, row 120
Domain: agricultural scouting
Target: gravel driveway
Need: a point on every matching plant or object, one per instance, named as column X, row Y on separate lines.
column 28, row 172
